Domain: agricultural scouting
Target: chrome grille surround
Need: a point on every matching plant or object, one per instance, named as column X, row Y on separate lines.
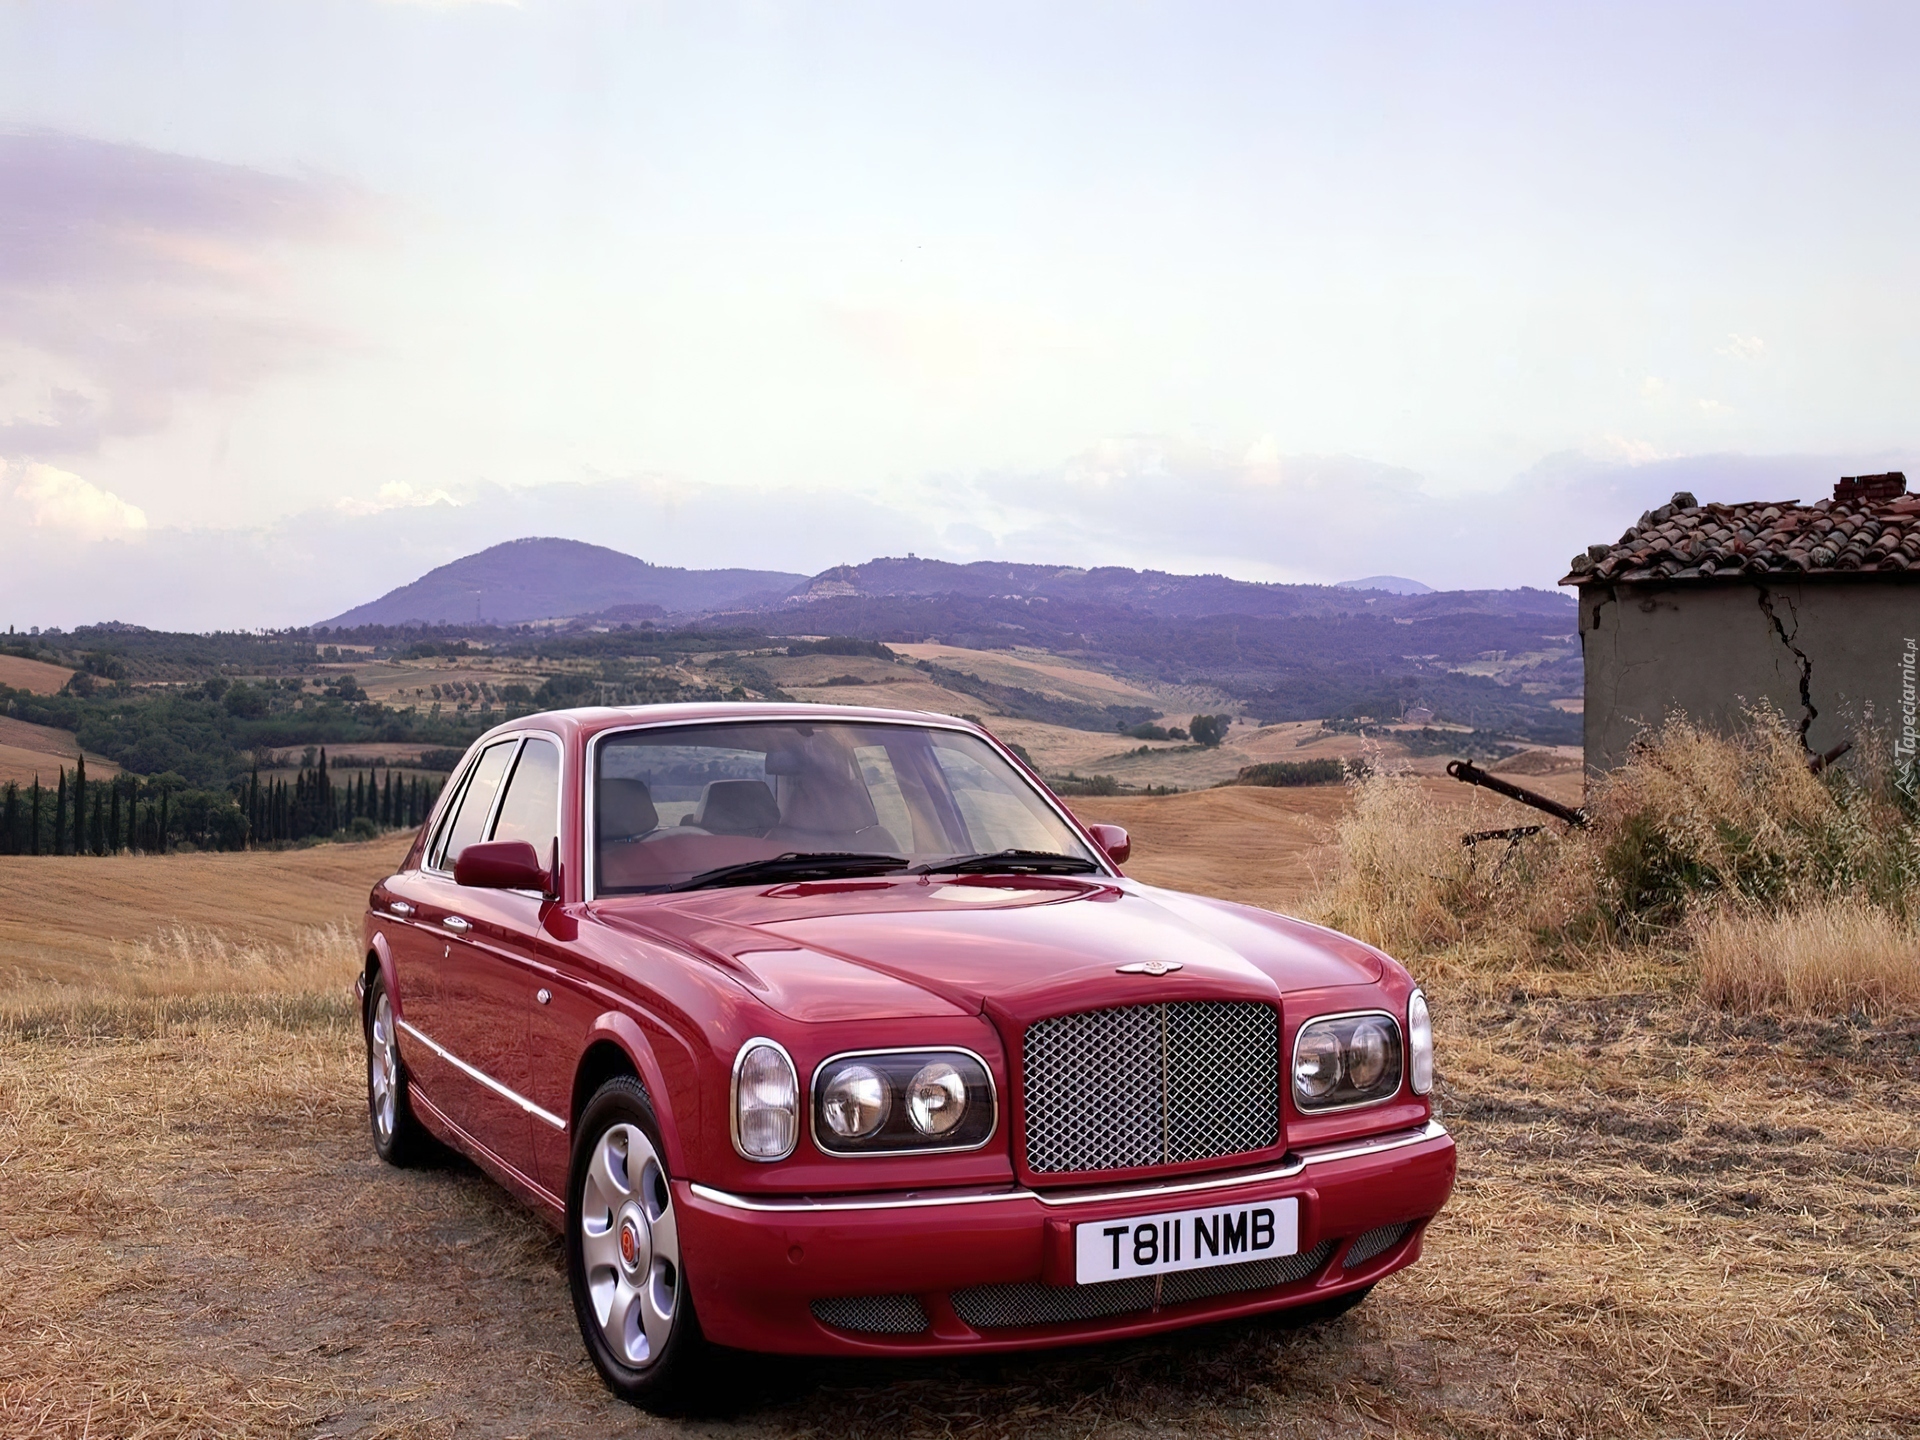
column 1146, row 1085
column 1006, row 1307
column 872, row 1314
column 1375, row 1242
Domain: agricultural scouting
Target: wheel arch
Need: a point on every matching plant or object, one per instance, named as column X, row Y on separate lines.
column 377, row 966
column 615, row 1046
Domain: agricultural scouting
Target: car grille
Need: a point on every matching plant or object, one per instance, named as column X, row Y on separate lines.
column 1374, row 1242
column 1003, row 1307
column 1146, row 1085
column 872, row 1314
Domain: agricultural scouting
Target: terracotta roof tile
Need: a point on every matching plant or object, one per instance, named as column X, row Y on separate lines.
column 1869, row 526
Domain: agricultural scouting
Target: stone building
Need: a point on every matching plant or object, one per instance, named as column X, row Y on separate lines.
column 1705, row 609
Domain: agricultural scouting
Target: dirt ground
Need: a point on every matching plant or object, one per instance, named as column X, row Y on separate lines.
column 1669, row 1222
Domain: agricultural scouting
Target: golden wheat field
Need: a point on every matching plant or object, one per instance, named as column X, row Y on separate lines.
column 1671, row 1221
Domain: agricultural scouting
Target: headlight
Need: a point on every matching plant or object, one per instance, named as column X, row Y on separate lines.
column 1419, row 1044
column 1346, row 1060
column 766, row 1102
column 936, row 1098
column 887, row 1102
column 1316, row 1063
column 855, row 1102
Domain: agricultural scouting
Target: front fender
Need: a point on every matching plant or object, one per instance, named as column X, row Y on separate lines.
column 624, row 1032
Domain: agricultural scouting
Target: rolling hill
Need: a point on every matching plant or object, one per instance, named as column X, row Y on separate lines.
column 546, row 579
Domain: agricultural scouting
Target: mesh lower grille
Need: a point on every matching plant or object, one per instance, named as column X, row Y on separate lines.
column 1001, row 1307
column 1374, row 1242
column 872, row 1314
column 1148, row 1085
column 998, row 1307
column 1185, row 1285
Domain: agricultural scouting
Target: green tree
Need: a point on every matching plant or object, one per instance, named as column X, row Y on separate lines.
column 80, row 806
column 60, row 813
column 1209, row 730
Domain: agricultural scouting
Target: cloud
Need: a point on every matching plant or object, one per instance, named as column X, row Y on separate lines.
column 1743, row 347
column 130, row 278
column 396, row 496
column 60, row 500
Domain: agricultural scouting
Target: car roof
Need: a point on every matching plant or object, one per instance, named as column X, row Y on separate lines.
column 587, row 721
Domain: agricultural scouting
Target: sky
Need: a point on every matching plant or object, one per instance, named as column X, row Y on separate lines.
column 298, row 300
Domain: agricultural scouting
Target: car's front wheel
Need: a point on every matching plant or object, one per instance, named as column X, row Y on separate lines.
column 624, row 1261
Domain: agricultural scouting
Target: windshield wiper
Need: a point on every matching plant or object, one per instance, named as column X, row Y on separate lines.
column 1008, row 862
column 820, row 865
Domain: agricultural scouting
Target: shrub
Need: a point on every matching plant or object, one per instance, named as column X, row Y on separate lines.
column 1292, row 772
column 1725, row 851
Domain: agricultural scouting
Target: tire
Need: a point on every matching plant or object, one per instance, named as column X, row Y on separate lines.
column 1323, row 1311
column 624, row 1262
column 398, row 1136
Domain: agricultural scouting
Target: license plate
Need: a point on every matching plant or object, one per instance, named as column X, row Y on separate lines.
column 1185, row 1240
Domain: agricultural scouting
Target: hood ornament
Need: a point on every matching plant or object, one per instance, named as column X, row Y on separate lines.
column 1149, row 967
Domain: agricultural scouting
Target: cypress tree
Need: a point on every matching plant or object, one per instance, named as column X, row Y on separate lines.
column 162, row 846
column 80, row 806
column 324, row 788
column 386, row 803
column 113, row 820
column 11, row 820
column 33, row 820
column 60, row 814
column 97, row 824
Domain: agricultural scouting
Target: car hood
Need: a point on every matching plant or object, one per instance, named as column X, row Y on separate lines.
column 1020, row 948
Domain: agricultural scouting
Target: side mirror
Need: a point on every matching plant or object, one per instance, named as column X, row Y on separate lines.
column 500, row 865
column 1113, row 839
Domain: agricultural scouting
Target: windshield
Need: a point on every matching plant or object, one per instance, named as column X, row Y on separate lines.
column 674, row 804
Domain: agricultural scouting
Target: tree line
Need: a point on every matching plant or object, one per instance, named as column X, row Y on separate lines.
column 153, row 815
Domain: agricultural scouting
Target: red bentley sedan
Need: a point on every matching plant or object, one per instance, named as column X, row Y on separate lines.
column 829, row 1030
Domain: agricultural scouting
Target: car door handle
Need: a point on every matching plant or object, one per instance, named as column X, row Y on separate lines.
column 400, row 907
column 454, row 922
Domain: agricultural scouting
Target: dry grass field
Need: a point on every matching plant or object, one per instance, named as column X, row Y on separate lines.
column 1670, row 1222
column 34, row 675
column 27, row 751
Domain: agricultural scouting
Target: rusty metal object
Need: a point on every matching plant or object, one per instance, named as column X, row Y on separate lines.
column 1822, row 761
column 1472, row 774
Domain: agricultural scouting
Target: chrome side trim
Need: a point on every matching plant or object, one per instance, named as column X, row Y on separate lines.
column 487, row 1080
column 1432, row 1130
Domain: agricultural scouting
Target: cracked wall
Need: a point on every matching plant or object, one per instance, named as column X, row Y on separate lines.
column 1825, row 653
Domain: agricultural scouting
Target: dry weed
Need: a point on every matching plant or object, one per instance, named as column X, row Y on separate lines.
column 1828, row 958
column 1784, row 888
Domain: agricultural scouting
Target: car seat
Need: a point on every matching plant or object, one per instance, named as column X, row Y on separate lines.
column 625, row 809
column 737, row 807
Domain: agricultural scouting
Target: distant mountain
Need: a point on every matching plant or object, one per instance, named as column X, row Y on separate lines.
column 544, row 579
column 1392, row 584
column 1153, row 591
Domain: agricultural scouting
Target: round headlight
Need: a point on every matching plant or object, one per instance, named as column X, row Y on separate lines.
column 855, row 1102
column 1420, row 1044
column 766, row 1103
column 1316, row 1064
column 936, row 1098
column 1368, row 1052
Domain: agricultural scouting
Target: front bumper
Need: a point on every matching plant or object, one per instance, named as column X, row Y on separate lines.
column 993, row 1270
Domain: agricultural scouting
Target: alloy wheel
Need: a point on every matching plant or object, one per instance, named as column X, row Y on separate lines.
column 630, row 1242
